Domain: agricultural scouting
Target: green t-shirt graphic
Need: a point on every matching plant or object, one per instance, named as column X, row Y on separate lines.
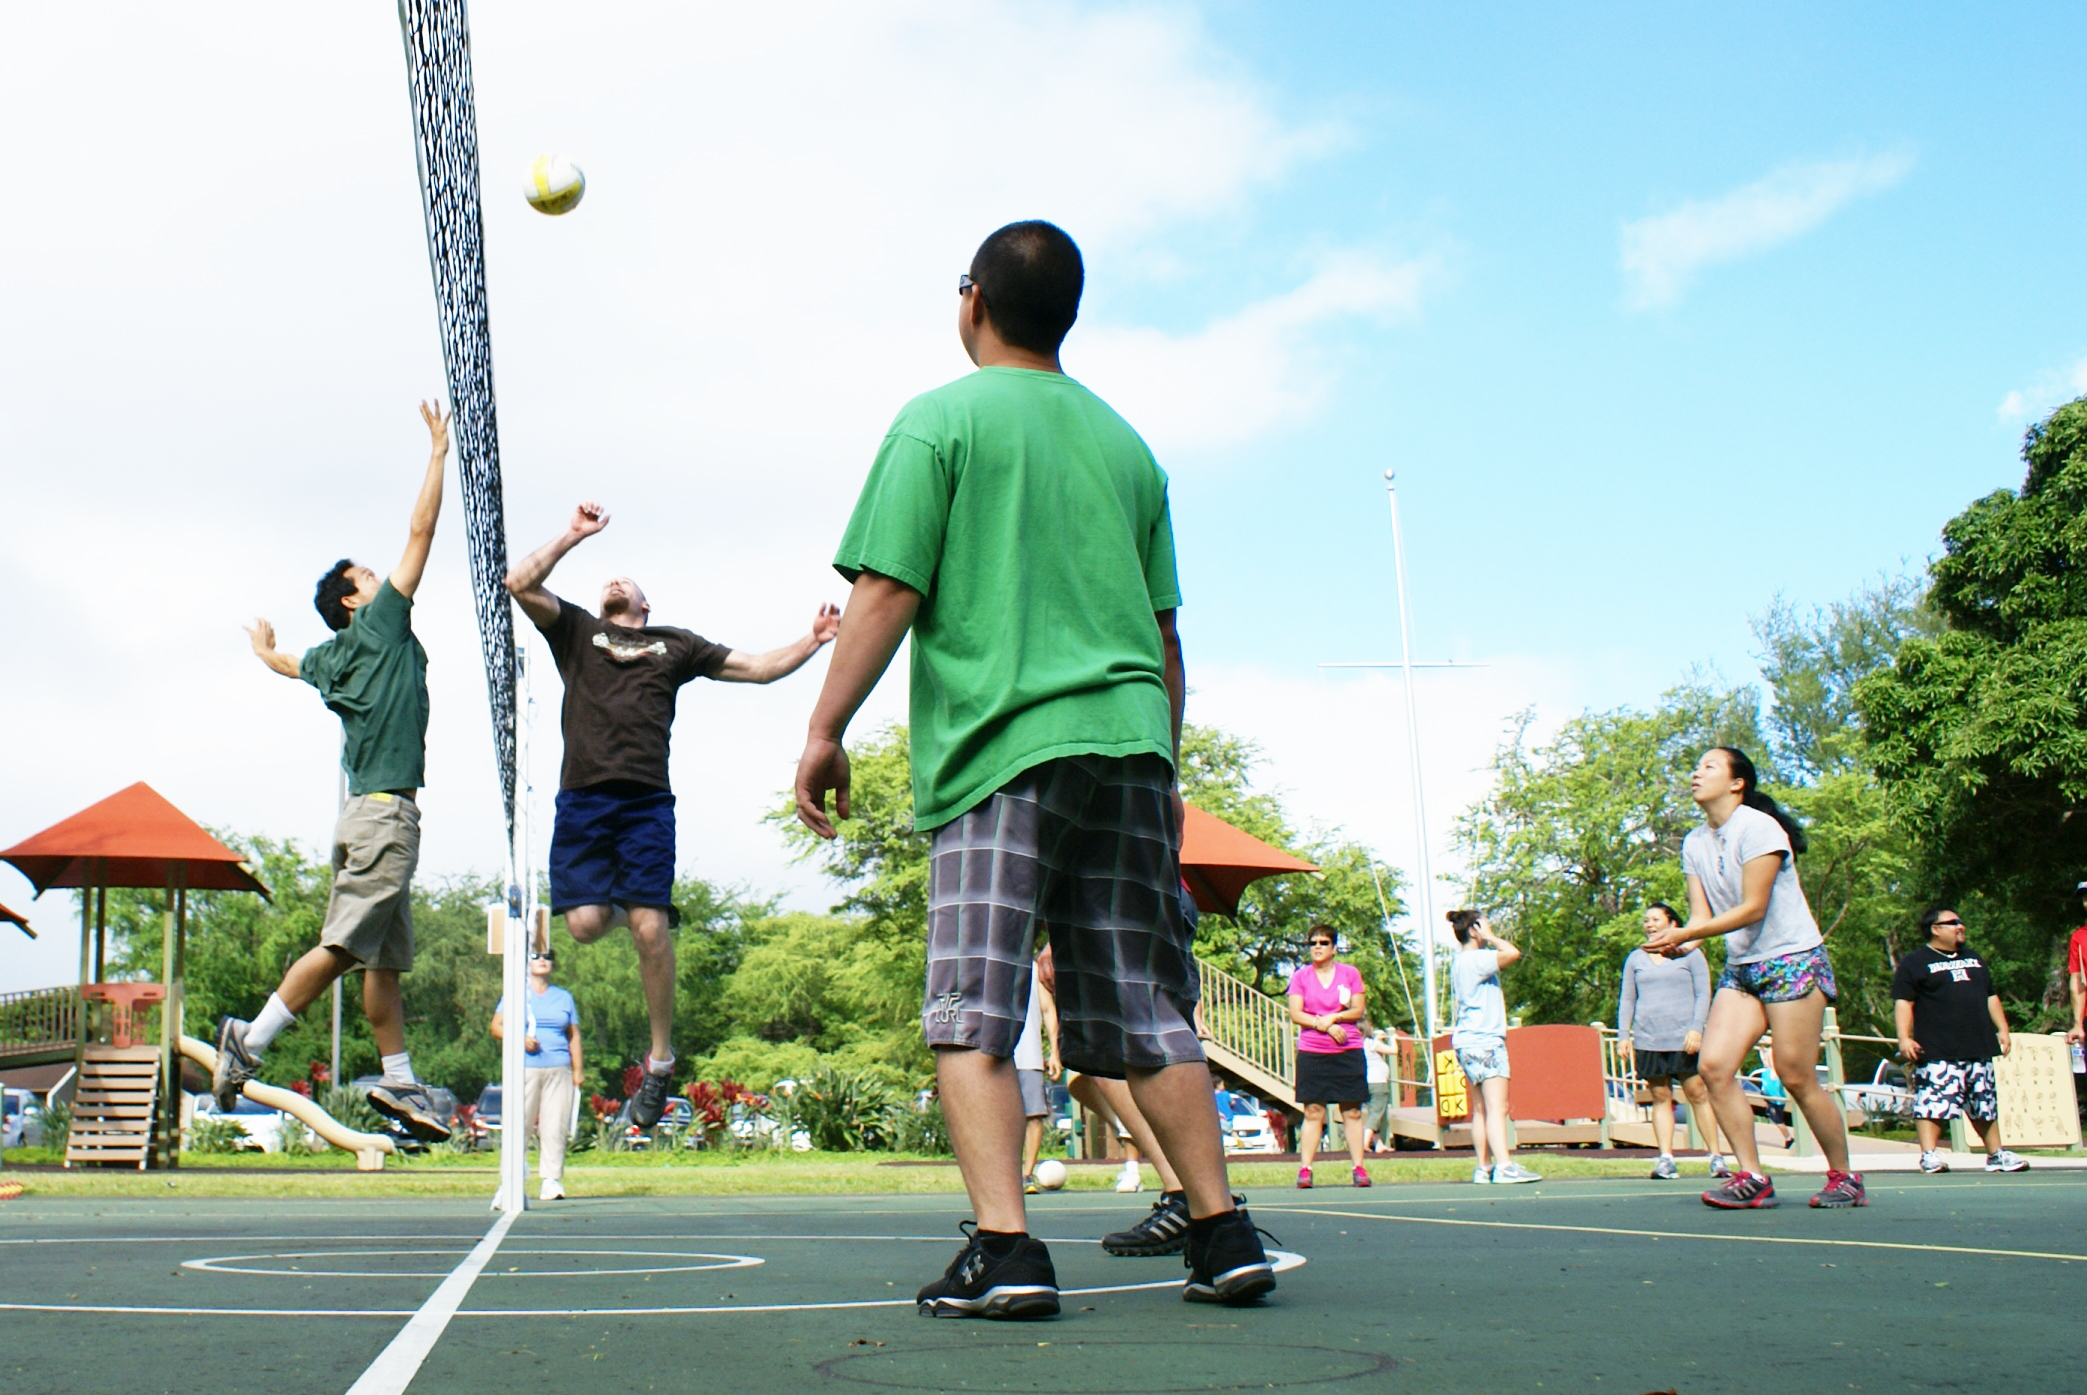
column 374, row 676
column 1034, row 523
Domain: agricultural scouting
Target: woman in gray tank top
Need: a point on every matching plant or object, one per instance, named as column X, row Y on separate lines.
column 1742, row 885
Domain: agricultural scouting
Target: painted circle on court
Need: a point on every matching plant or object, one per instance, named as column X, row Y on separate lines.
column 1074, row 1367
column 290, row 1264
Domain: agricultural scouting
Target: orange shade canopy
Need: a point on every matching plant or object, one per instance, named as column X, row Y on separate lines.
column 132, row 838
column 1219, row 861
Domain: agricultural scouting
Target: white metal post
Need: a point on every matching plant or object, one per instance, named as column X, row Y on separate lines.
column 1420, row 806
column 520, row 921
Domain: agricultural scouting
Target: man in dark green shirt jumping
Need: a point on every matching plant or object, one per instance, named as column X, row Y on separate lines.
column 373, row 674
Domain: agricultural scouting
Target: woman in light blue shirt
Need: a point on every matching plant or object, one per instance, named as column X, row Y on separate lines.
column 551, row 1077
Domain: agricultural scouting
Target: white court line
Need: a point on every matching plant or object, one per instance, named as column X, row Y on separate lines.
column 1683, row 1234
column 398, row 1363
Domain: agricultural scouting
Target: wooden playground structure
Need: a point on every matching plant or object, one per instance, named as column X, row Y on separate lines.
column 124, row 1039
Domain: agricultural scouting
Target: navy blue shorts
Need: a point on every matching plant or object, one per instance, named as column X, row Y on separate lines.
column 613, row 845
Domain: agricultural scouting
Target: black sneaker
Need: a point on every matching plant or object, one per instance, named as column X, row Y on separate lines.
column 1020, row 1284
column 1227, row 1265
column 1163, row 1232
column 411, row 1107
column 649, row 1101
column 235, row 1064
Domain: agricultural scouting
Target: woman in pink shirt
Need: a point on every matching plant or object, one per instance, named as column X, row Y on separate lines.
column 1326, row 1005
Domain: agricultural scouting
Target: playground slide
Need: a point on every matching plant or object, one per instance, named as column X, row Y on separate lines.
column 369, row 1148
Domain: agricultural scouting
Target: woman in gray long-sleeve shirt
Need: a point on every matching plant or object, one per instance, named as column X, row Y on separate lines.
column 1659, row 1018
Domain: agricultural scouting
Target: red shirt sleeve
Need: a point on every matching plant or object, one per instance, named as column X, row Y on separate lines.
column 2076, row 956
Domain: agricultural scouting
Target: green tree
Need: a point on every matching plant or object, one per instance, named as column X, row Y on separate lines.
column 1977, row 732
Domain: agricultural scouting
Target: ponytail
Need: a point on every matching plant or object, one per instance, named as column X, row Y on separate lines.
column 1460, row 923
column 1742, row 768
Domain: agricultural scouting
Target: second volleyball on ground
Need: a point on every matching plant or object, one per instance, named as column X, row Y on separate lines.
column 1050, row 1174
column 554, row 184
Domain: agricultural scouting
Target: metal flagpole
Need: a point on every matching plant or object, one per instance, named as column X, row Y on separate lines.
column 1420, row 808
column 340, row 802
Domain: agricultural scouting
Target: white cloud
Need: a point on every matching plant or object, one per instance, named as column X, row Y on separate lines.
column 2049, row 390
column 1662, row 253
column 1249, row 371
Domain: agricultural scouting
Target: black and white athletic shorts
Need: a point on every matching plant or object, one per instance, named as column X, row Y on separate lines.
column 1085, row 850
column 1945, row 1089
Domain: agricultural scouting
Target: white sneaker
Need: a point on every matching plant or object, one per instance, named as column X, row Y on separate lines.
column 552, row 1190
column 1932, row 1160
column 2006, row 1161
column 1130, row 1181
column 1666, row 1169
column 1718, row 1166
column 1482, row 1175
column 1508, row 1173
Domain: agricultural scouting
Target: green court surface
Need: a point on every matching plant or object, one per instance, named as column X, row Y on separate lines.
column 1955, row 1282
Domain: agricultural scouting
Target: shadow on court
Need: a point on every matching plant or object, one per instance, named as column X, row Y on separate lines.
column 1942, row 1283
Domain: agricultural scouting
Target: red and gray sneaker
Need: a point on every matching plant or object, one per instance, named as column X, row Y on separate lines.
column 1842, row 1189
column 1743, row 1191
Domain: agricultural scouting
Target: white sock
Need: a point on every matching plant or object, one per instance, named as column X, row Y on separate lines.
column 400, row 1068
column 270, row 1020
column 658, row 1066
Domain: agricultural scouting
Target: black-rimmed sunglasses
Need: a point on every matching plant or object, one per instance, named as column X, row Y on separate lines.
column 965, row 283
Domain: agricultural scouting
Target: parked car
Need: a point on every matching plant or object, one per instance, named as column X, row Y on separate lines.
column 1245, row 1122
column 1888, row 1095
column 485, row 1123
column 23, row 1117
column 262, row 1126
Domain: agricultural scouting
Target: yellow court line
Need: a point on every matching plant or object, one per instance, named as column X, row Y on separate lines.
column 1684, row 1234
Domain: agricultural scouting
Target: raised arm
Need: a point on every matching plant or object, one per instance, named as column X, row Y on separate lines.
column 880, row 611
column 526, row 581
column 781, row 663
column 420, row 531
column 263, row 636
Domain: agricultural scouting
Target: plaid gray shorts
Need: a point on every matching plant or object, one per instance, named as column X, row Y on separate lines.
column 1085, row 848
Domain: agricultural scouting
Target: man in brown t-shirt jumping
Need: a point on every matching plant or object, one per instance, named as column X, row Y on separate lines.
column 612, row 847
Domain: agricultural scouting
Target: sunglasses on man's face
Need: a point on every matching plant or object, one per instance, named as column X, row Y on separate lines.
column 965, row 283
column 1950, row 924
column 1316, row 943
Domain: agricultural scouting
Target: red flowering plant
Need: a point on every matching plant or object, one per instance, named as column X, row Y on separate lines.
column 320, row 1073
column 302, row 1087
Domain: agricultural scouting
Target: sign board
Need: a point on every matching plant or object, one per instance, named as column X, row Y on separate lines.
column 2038, row 1108
column 1452, row 1092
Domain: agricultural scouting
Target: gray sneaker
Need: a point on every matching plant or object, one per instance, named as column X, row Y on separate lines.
column 1934, row 1160
column 1508, row 1173
column 1718, row 1166
column 412, row 1107
column 1482, row 1175
column 2006, row 1161
column 1665, row 1169
column 235, row 1064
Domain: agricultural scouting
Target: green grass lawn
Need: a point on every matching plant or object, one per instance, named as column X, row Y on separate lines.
column 682, row 1173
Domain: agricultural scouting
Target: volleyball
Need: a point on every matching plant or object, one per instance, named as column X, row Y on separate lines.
column 1050, row 1174
column 554, row 185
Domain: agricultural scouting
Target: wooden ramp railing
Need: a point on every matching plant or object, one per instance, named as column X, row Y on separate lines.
column 41, row 1026
column 1251, row 1036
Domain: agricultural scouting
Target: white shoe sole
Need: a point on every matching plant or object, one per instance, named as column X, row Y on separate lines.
column 1005, row 1301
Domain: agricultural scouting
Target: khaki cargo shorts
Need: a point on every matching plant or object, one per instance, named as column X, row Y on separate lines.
column 376, row 846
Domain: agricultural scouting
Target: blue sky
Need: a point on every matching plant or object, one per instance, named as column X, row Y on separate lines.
column 1658, row 315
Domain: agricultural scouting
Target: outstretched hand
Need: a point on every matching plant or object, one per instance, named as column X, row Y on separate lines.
column 1665, row 942
column 588, row 519
column 826, row 624
column 438, row 428
column 262, row 634
column 823, row 767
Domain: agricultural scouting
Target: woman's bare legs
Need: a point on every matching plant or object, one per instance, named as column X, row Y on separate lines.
column 1737, row 1021
column 1662, row 1114
column 1308, row 1136
column 1699, row 1112
column 1797, row 1029
column 1351, row 1123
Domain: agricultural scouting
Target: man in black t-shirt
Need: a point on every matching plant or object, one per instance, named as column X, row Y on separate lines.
column 1951, row 1026
column 612, row 846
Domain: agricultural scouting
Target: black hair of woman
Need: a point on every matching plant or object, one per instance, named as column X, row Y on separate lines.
column 1742, row 767
column 1666, row 910
column 1460, row 923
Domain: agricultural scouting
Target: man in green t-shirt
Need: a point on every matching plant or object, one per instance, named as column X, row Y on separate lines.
column 1019, row 529
column 373, row 675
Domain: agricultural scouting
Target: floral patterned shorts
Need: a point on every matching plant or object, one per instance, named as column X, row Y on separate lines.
column 1784, row 979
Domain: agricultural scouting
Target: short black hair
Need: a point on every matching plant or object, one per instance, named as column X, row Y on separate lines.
column 1031, row 277
column 1928, row 918
column 335, row 587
